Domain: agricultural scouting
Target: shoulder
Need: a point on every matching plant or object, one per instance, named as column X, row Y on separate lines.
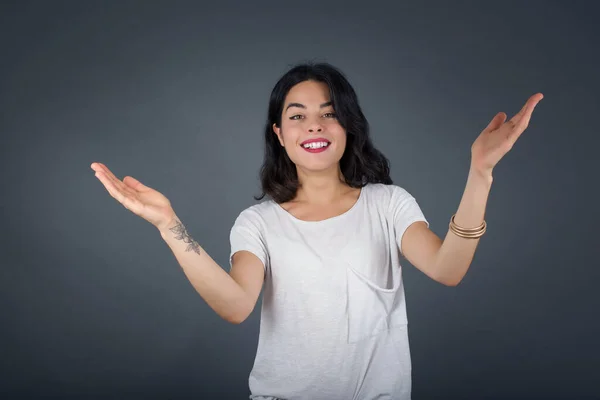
column 256, row 214
column 387, row 194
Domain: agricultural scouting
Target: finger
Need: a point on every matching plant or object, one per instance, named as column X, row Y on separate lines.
column 109, row 185
column 522, row 122
column 116, row 181
column 520, row 114
column 135, row 184
column 496, row 122
column 527, row 109
column 120, row 183
column 526, row 117
column 111, row 174
column 108, row 172
column 113, row 190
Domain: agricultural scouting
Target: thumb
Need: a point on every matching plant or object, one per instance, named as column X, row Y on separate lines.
column 134, row 183
column 496, row 122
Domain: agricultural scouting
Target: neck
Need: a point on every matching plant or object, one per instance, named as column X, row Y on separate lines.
column 323, row 187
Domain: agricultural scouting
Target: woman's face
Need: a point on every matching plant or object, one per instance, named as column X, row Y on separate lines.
column 310, row 132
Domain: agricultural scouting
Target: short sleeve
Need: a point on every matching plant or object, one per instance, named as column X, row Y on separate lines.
column 404, row 211
column 247, row 234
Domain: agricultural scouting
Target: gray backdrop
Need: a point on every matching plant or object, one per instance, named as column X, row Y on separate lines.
column 93, row 303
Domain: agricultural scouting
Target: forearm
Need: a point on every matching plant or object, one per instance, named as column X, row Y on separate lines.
column 220, row 291
column 456, row 253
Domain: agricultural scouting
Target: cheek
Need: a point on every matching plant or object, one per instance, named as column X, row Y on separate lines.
column 341, row 146
column 289, row 135
column 339, row 136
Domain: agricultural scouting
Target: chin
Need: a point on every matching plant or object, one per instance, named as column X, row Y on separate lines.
column 318, row 166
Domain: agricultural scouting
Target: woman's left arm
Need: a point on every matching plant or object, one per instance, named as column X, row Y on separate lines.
column 447, row 261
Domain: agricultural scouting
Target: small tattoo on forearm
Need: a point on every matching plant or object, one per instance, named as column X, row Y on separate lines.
column 182, row 234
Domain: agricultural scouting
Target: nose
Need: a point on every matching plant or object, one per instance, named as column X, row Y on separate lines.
column 315, row 127
column 314, row 124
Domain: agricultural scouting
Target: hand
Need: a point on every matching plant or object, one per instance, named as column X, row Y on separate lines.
column 499, row 137
column 136, row 197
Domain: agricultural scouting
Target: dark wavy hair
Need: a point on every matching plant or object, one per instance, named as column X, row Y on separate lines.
column 361, row 162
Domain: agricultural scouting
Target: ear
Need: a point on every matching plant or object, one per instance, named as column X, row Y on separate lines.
column 277, row 131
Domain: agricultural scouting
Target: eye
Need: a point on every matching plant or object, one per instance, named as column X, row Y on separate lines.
column 294, row 116
column 331, row 115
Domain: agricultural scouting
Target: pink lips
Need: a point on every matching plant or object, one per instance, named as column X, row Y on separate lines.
column 314, row 140
column 320, row 149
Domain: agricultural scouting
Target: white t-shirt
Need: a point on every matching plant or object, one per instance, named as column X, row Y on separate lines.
column 333, row 319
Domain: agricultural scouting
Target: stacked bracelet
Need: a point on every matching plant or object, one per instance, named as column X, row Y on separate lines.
column 467, row 233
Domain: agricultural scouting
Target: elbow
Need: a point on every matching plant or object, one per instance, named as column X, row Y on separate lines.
column 238, row 316
column 235, row 319
column 450, row 275
column 451, row 283
column 446, row 281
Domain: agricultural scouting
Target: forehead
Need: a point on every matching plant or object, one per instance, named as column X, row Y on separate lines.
column 308, row 92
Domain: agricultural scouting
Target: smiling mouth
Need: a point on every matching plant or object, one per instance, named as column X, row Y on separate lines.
column 316, row 145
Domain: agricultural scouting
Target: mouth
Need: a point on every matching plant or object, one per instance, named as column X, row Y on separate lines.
column 315, row 145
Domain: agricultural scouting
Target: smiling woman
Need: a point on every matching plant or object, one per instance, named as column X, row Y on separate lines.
column 316, row 103
column 327, row 240
column 326, row 245
column 310, row 126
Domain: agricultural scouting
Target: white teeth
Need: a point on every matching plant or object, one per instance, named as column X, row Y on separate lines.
column 315, row 145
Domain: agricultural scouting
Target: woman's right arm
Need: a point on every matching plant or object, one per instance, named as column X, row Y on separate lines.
column 232, row 296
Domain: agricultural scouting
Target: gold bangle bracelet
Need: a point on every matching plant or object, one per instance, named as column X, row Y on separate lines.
column 468, row 236
column 467, row 233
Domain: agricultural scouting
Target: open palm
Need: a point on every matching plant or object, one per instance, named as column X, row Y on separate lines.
column 136, row 197
column 499, row 136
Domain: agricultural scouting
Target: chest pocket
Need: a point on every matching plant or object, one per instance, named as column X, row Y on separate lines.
column 374, row 287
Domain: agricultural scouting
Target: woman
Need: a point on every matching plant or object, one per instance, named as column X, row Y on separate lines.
column 326, row 245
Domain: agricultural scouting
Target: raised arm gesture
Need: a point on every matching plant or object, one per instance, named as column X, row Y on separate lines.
column 499, row 137
column 138, row 198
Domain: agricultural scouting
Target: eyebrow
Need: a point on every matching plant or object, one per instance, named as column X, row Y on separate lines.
column 327, row 104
